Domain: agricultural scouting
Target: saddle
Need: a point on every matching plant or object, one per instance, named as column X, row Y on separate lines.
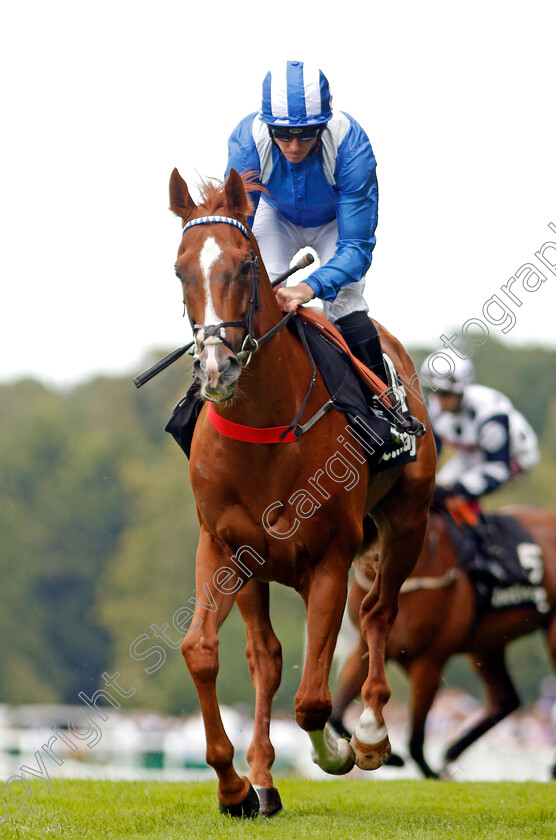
column 500, row 557
column 371, row 406
column 390, row 397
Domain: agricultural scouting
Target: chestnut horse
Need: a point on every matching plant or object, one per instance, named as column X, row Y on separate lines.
column 437, row 618
column 258, row 523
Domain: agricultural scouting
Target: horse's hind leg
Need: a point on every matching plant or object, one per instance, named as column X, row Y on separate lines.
column 264, row 656
column 355, row 667
column 402, row 524
column 502, row 698
column 200, row 651
column 348, row 687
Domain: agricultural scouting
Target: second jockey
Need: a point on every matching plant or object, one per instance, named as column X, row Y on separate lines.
column 493, row 440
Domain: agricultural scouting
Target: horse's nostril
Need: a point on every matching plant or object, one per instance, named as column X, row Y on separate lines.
column 215, row 370
column 230, row 370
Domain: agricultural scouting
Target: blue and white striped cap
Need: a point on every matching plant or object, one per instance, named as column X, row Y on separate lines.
column 295, row 94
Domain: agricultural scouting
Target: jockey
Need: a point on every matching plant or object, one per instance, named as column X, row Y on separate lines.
column 493, row 441
column 319, row 172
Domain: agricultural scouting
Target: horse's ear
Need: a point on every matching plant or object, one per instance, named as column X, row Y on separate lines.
column 236, row 196
column 181, row 202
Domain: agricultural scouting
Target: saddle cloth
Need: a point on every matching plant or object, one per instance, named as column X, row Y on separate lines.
column 354, row 389
column 503, row 562
column 316, row 319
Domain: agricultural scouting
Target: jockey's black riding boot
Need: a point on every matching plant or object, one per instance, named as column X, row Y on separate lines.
column 362, row 339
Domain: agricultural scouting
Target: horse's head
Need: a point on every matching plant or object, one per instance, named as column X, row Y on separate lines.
column 219, row 277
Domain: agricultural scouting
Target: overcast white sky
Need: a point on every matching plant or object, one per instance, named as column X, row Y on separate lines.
column 101, row 100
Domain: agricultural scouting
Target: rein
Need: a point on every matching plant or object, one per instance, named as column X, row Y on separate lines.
column 172, row 357
column 212, row 334
column 216, row 333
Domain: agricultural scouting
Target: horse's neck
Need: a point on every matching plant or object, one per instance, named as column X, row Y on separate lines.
column 273, row 381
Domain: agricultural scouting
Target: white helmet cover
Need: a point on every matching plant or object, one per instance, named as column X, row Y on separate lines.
column 443, row 372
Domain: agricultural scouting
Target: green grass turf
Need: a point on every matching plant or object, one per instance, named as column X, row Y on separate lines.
column 416, row 810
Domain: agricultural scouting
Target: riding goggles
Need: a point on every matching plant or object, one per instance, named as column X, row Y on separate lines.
column 288, row 133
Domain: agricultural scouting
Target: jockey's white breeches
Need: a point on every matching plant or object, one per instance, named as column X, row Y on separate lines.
column 279, row 240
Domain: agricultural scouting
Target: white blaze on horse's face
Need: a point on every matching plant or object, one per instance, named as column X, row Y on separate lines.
column 208, row 256
column 217, row 370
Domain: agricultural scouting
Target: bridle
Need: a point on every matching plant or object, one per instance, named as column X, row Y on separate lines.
column 212, row 334
column 206, row 335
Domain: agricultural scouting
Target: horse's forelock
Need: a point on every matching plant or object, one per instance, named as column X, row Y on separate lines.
column 213, row 198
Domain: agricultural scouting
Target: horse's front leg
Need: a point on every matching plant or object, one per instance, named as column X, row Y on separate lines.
column 214, row 599
column 325, row 595
column 264, row 656
column 401, row 543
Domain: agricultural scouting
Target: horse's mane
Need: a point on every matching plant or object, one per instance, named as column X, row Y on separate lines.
column 213, row 198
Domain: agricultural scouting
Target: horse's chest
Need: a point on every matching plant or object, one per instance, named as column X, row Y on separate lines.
column 286, row 518
column 272, row 547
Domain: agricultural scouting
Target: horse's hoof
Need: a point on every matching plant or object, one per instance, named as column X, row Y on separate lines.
column 331, row 754
column 370, row 756
column 248, row 808
column 347, row 765
column 270, row 803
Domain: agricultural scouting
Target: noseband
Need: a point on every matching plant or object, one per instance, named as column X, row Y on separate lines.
column 207, row 334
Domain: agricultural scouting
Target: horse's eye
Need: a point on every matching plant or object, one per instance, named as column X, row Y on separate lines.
column 245, row 268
